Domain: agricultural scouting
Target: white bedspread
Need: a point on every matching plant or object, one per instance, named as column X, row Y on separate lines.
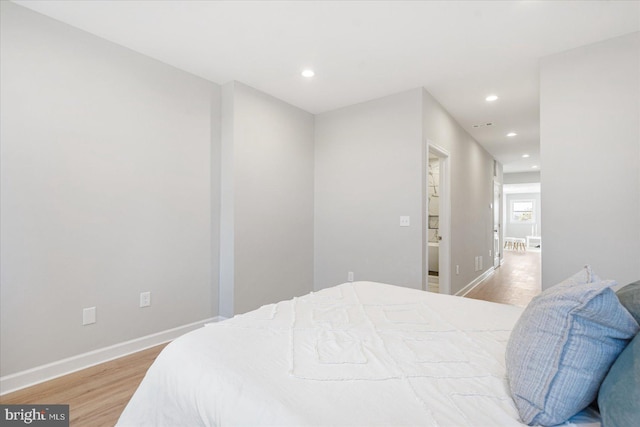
column 359, row 354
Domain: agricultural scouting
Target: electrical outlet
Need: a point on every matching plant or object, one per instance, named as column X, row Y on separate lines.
column 350, row 276
column 405, row 221
column 145, row 299
column 457, row 269
column 88, row 316
column 480, row 262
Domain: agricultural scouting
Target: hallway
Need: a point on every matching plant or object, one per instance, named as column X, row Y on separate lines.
column 516, row 282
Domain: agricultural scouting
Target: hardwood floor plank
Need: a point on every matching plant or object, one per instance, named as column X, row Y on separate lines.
column 516, row 282
column 96, row 396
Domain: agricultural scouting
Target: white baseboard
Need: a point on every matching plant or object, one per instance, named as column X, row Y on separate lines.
column 33, row 376
column 462, row 292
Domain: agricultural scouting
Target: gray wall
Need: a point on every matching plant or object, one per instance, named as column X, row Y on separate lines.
column 368, row 172
column 471, row 192
column 106, row 191
column 590, row 153
column 227, row 203
column 270, row 154
column 521, row 177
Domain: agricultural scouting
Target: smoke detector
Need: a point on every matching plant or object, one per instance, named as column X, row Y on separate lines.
column 481, row 125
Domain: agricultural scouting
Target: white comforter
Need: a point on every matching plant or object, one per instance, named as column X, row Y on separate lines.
column 358, row 354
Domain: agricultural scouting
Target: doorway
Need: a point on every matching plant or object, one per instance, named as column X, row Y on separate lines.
column 497, row 224
column 521, row 221
column 437, row 221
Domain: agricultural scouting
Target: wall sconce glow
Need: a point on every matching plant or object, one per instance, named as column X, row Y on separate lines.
column 524, row 156
column 308, row 73
column 510, row 134
column 491, row 98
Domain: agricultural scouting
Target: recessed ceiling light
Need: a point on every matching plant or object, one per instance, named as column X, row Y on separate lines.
column 534, row 167
column 491, row 98
column 525, row 156
column 511, row 134
column 308, row 73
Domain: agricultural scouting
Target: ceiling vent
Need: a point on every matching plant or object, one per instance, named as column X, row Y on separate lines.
column 481, row 125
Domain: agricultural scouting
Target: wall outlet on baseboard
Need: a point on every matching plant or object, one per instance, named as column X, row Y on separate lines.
column 350, row 276
column 145, row 299
column 88, row 316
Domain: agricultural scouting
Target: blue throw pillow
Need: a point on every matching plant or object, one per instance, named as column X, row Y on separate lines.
column 629, row 297
column 562, row 347
column 619, row 395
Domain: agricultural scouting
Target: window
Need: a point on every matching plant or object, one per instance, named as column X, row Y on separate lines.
column 522, row 211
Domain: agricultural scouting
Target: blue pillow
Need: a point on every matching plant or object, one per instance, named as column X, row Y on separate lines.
column 619, row 396
column 563, row 345
column 629, row 297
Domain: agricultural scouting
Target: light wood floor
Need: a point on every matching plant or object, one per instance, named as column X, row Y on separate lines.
column 516, row 282
column 97, row 396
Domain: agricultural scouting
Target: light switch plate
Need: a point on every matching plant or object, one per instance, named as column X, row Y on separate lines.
column 88, row 315
column 145, row 299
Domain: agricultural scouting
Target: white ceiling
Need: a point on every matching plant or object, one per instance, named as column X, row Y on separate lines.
column 460, row 51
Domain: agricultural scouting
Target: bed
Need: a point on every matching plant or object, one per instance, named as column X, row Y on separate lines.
column 358, row 354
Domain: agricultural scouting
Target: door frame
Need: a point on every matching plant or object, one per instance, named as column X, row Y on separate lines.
column 497, row 213
column 444, row 226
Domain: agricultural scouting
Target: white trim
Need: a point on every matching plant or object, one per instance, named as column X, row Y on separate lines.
column 497, row 250
column 481, row 278
column 33, row 376
column 445, row 218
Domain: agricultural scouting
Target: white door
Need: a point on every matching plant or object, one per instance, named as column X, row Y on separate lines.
column 497, row 195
